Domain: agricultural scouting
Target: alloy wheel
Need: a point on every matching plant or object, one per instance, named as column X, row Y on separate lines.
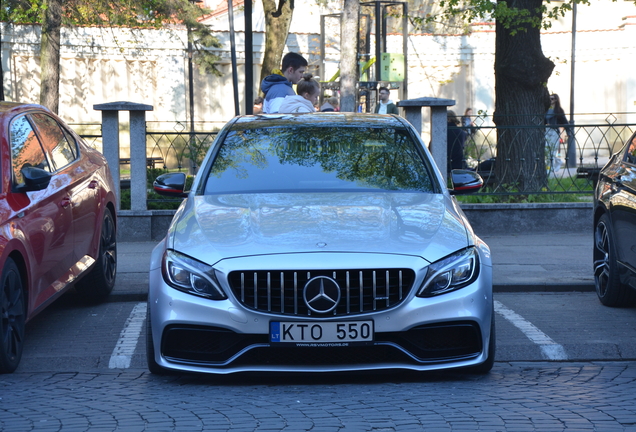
column 12, row 318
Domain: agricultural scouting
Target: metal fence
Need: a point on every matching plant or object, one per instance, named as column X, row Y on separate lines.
column 572, row 156
column 583, row 150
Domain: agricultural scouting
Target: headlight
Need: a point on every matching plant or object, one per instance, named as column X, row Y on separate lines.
column 451, row 273
column 191, row 276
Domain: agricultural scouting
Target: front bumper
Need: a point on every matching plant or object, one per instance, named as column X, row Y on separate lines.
column 199, row 335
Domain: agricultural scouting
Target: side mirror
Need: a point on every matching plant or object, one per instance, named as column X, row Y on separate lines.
column 465, row 182
column 35, row 179
column 171, row 184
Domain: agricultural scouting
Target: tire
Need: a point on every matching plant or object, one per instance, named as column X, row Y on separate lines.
column 153, row 366
column 12, row 317
column 610, row 290
column 98, row 284
column 486, row 366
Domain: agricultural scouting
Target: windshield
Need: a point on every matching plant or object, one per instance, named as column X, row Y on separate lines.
column 317, row 159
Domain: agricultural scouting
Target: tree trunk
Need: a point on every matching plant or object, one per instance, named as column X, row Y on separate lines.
column 276, row 31
column 521, row 74
column 349, row 55
column 50, row 55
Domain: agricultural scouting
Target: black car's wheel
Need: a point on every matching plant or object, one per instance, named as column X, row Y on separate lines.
column 153, row 366
column 98, row 284
column 610, row 290
column 12, row 318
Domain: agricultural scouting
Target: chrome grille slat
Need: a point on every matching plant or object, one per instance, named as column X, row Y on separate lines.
column 348, row 294
column 269, row 292
column 361, row 290
column 375, row 291
column 295, row 294
column 242, row 287
column 255, row 290
column 280, row 292
column 386, row 286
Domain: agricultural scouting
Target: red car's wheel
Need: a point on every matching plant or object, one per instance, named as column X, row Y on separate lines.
column 12, row 317
column 98, row 284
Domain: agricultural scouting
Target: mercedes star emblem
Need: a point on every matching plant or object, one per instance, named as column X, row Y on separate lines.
column 321, row 294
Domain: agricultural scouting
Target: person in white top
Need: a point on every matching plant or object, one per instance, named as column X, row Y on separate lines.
column 308, row 90
column 385, row 105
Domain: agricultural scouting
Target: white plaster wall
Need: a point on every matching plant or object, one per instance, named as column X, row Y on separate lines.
column 150, row 66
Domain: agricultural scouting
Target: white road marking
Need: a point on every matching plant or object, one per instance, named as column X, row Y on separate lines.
column 549, row 348
column 125, row 347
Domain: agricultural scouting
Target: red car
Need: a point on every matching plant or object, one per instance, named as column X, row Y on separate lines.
column 57, row 220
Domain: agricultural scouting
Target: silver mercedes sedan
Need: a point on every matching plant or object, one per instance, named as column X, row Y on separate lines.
column 322, row 242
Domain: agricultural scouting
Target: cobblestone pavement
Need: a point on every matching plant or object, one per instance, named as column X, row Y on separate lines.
column 514, row 397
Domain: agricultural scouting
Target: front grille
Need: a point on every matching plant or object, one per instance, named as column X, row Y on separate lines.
column 281, row 292
column 205, row 344
column 437, row 341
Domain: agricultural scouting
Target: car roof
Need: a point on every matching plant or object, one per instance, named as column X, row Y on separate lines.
column 16, row 107
column 319, row 119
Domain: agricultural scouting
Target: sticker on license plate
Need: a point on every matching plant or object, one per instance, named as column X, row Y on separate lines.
column 301, row 333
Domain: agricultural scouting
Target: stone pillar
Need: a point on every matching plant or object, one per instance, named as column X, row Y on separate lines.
column 438, row 106
column 110, row 139
column 110, row 145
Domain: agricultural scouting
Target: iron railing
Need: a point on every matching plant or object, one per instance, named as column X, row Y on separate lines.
column 571, row 157
column 583, row 151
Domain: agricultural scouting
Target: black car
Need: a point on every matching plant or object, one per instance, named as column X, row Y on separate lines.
column 615, row 229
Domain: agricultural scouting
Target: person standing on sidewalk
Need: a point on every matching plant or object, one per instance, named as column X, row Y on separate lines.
column 278, row 86
column 385, row 105
column 555, row 121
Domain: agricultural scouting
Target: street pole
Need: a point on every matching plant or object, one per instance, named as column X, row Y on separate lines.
column 190, row 84
column 192, row 140
column 571, row 150
column 230, row 9
column 249, row 60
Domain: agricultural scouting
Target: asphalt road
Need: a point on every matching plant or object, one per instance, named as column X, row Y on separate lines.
column 564, row 362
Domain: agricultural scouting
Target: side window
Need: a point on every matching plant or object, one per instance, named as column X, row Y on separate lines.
column 630, row 154
column 25, row 148
column 54, row 140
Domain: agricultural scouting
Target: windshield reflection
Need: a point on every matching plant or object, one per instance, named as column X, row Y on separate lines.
column 284, row 159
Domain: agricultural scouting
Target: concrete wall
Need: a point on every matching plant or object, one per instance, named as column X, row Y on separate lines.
column 506, row 219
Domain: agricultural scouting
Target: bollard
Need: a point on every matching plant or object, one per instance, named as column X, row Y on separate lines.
column 110, row 140
column 439, row 107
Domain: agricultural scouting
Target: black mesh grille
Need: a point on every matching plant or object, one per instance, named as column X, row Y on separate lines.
column 281, row 291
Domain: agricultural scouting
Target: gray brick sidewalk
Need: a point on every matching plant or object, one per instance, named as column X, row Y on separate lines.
column 513, row 397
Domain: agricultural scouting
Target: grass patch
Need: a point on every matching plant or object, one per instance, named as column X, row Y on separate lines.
column 566, row 189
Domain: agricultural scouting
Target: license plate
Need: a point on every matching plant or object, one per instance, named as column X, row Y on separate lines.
column 331, row 333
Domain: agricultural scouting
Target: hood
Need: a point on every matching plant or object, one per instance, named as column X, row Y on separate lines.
column 211, row 228
column 272, row 80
